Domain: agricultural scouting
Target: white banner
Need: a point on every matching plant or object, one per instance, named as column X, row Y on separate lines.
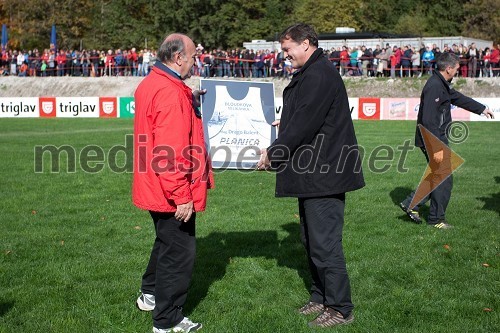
column 491, row 103
column 19, row 107
column 77, row 107
column 354, row 107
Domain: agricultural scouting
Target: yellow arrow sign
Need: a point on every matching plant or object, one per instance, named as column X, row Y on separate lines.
column 435, row 173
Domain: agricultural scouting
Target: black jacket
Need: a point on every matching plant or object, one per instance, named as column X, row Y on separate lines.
column 434, row 112
column 316, row 153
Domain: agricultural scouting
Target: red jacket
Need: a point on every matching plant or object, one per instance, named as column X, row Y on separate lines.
column 171, row 163
column 495, row 56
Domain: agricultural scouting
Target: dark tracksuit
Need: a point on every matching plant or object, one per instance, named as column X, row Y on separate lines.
column 435, row 115
column 317, row 160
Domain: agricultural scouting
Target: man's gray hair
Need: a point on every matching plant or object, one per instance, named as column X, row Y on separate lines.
column 169, row 48
column 445, row 60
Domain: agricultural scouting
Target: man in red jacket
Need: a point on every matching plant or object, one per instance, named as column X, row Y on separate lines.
column 171, row 177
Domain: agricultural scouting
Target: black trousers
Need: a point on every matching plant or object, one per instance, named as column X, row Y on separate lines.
column 322, row 221
column 170, row 267
column 439, row 184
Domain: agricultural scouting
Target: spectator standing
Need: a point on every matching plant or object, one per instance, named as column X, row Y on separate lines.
column 367, row 60
column 486, row 59
column 472, row 56
column 146, row 59
column 344, row 61
column 406, row 61
column 415, row 61
column 495, row 60
column 428, row 60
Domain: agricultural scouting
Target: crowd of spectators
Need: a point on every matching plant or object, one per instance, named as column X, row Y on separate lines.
column 87, row 63
column 395, row 61
column 409, row 61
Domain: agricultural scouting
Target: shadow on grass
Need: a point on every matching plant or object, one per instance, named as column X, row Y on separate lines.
column 398, row 195
column 215, row 251
column 5, row 307
column 493, row 202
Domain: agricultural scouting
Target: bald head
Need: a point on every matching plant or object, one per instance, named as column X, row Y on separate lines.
column 173, row 44
column 178, row 52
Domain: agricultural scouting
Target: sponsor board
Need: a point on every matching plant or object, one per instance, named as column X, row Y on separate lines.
column 459, row 113
column 354, row 107
column 77, row 107
column 413, row 106
column 491, row 103
column 394, row 108
column 107, row 107
column 127, row 107
column 19, row 107
column 369, row 108
column 47, row 107
column 124, row 107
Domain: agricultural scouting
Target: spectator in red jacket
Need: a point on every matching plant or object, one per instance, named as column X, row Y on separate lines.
column 61, row 62
column 495, row 60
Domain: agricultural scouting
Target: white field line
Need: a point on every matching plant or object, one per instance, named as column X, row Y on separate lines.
column 27, row 133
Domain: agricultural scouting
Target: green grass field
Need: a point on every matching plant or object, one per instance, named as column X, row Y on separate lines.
column 73, row 247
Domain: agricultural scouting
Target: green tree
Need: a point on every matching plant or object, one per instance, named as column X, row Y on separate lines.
column 482, row 19
column 326, row 15
column 445, row 17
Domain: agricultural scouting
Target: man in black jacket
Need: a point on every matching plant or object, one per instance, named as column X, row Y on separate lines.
column 317, row 160
column 434, row 115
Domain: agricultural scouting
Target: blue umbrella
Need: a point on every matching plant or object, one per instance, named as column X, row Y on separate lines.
column 5, row 39
column 53, row 39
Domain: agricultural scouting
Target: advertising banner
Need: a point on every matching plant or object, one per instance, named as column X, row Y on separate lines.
column 19, row 107
column 77, row 107
column 107, row 107
column 369, row 108
column 237, row 117
column 47, row 107
column 491, row 103
column 354, row 107
column 394, row 108
column 127, row 107
column 459, row 113
column 413, row 106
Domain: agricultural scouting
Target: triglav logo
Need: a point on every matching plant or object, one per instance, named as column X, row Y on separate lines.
column 47, row 107
column 369, row 109
column 108, row 107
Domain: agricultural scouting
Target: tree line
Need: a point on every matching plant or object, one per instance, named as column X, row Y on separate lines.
column 103, row 24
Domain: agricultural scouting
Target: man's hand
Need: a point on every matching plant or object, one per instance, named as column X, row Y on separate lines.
column 184, row 211
column 438, row 156
column 263, row 163
column 489, row 114
column 276, row 124
column 196, row 96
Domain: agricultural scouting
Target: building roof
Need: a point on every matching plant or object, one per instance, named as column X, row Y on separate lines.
column 361, row 35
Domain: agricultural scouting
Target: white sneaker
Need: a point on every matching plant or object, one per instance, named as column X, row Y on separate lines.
column 185, row 325
column 146, row 302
